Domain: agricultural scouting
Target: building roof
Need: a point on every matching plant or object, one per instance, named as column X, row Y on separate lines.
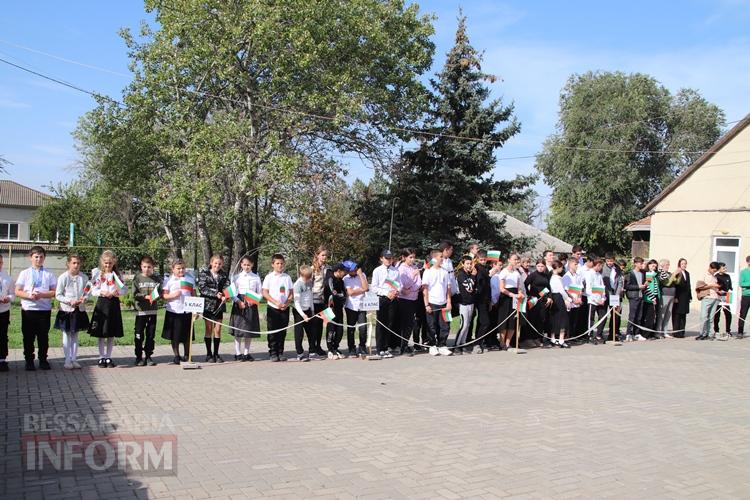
column 639, row 225
column 542, row 241
column 13, row 194
column 723, row 140
column 25, row 246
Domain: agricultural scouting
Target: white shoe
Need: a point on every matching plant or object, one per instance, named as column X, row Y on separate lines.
column 386, row 354
column 76, row 365
column 668, row 336
column 331, row 355
column 434, row 351
column 555, row 342
column 444, row 351
column 640, row 338
column 68, row 366
column 628, row 338
column 340, row 355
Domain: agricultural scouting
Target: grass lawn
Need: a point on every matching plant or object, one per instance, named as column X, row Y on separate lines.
column 15, row 340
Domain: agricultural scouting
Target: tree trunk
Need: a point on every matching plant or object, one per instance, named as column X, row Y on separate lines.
column 238, row 238
column 204, row 239
column 174, row 245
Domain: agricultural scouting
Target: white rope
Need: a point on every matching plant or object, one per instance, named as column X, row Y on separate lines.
column 603, row 318
column 271, row 332
column 694, row 326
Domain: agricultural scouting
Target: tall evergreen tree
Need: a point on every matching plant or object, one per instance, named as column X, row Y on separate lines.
column 444, row 188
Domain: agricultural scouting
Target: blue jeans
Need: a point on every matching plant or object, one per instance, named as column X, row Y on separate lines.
column 708, row 309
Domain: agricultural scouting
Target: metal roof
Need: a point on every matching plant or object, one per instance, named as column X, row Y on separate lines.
column 13, row 194
column 542, row 240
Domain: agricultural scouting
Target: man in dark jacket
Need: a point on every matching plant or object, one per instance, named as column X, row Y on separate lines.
column 614, row 284
column 634, row 287
column 683, row 296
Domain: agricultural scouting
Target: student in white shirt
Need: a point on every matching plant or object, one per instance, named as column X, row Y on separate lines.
column 387, row 296
column 320, row 270
column 561, row 303
column 36, row 286
column 176, row 327
column 356, row 286
column 303, row 311
column 510, row 293
column 576, row 314
column 408, row 298
column 106, row 320
column 597, row 300
column 244, row 317
column 277, row 290
column 71, row 317
column 447, row 249
column 436, row 293
column 7, row 294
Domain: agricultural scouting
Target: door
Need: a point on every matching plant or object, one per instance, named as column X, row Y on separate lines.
column 727, row 250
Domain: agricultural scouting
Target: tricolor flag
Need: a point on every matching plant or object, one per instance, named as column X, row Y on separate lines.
column 729, row 297
column 154, row 294
column 231, row 292
column 395, row 285
column 543, row 292
column 118, row 282
column 597, row 289
column 327, row 315
column 520, row 304
column 447, row 316
column 282, row 290
column 87, row 290
column 651, row 274
column 575, row 290
column 493, row 255
column 253, row 298
column 531, row 302
column 187, row 285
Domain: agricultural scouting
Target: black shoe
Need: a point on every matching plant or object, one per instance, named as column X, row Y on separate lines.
column 4, row 366
column 239, row 357
column 184, row 358
column 110, row 363
column 275, row 358
column 217, row 359
column 248, row 357
column 282, row 358
column 44, row 365
column 740, row 336
column 30, row 366
column 210, row 359
column 150, row 362
column 102, row 363
column 409, row 351
column 321, row 353
column 176, row 360
column 139, row 362
column 458, row 351
column 594, row 340
column 700, row 337
column 418, row 348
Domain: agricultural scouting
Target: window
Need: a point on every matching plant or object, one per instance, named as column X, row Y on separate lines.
column 8, row 231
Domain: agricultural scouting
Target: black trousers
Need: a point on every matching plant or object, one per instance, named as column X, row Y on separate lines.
column 439, row 329
column 301, row 329
column 387, row 316
column 491, row 340
column 635, row 309
column 744, row 307
column 727, row 318
column 419, row 332
column 650, row 313
column 35, row 327
column 352, row 318
column 614, row 324
column 276, row 319
column 334, row 333
column 317, row 328
column 145, row 332
column 595, row 314
column 4, row 322
column 679, row 320
column 407, row 310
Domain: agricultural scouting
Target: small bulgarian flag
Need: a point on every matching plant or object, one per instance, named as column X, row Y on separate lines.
column 118, row 282
column 597, row 290
column 447, row 316
column 493, row 255
column 729, row 297
column 395, row 285
column 543, row 292
column 231, row 292
column 531, row 302
column 520, row 304
column 154, row 294
column 187, row 285
column 87, row 290
column 253, row 298
column 282, row 290
column 574, row 289
column 327, row 315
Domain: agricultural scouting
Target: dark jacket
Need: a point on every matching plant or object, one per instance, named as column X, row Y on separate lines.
column 536, row 282
column 467, row 287
column 683, row 294
column 616, row 287
column 335, row 290
column 142, row 287
column 632, row 289
column 208, row 287
column 725, row 283
column 483, row 294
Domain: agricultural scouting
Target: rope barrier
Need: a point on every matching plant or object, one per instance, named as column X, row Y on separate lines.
column 271, row 332
column 595, row 325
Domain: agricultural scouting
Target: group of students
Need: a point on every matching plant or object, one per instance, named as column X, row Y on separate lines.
column 564, row 296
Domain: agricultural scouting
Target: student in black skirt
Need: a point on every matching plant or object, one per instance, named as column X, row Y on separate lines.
column 561, row 303
column 212, row 282
column 71, row 317
column 510, row 280
column 106, row 320
column 176, row 320
column 536, row 284
column 245, row 318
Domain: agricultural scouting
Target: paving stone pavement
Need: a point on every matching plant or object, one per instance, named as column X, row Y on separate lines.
column 661, row 419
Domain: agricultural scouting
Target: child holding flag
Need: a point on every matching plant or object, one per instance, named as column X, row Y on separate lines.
column 436, row 292
column 145, row 297
column 245, row 292
column 277, row 290
column 651, row 297
column 561, row 302
column 356, row 286
column 303, row 311
column 212, row 282
column 71, row 318
column 572, row 282
column 106, row 320
column 510, row 299
column 176, row 327
column 386, row 285
column 597, row 301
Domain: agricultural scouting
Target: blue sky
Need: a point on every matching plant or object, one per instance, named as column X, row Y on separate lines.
column 532, row 46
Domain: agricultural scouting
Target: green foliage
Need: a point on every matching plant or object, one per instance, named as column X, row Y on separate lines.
column 596, row 193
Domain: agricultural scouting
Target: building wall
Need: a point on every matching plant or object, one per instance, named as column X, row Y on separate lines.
column 22, row 216
column 16, row 261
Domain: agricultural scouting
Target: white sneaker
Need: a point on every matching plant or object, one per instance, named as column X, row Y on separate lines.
column 628, row 338
column 76, row 365
column 640, row 338
column 668, row 336
column 331, row 355
column 444, row 351
column 434, row 351
column 555, row 341
column 68, row 366
column 340, row 355
column 386, row 354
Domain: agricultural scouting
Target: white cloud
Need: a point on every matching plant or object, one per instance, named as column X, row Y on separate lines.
column 13, row 104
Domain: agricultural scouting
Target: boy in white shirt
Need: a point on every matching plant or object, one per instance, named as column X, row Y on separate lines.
column 387, row 294
column 277, row 290
column 596, row 298
column 7, row 294
column 436, row 292
column 36, row 287
column 356, row 286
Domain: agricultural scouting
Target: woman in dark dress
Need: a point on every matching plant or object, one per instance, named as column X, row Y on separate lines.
column 682, row 298
column 537, row 285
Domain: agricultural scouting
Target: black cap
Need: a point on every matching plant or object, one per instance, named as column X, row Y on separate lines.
column 387, row 254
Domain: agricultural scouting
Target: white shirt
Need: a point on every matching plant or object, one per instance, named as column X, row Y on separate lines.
column 7, row 289
column 42, row 281
column 512, row 278
column 177, row 304
column 279, row 286
column 69, row 289
column 437, row 283
column 105, row 283
column 594, row 279
column 354, row 283
column 379, row 275
column 556, row 285
column 571, row 279
column 247, row 282
column 303, row 296
column 448, row 266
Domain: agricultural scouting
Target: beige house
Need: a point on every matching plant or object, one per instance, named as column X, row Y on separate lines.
column 704, row 214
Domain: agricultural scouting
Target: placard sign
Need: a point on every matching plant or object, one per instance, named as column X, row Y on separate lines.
column 370, row 302
column 614, row 300
column 193, row 304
